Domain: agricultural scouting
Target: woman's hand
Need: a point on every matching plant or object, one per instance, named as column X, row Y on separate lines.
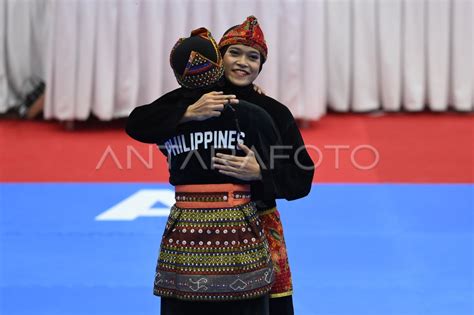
column 258, row 89
column 209, row 105
column 241, row 167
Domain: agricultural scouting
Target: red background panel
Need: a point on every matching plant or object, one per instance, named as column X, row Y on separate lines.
column 398, row 148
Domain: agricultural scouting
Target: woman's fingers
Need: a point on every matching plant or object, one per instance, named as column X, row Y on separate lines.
column 218, row 107
column 245, row 148
column 258, row 89
column 222, row 97
column 225, row 162
column 229, row 157
column 215, row 114
column 226, row 168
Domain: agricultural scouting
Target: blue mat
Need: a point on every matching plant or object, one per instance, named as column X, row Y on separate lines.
column 354, row 249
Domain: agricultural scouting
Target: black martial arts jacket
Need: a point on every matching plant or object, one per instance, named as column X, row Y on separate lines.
column 292, row 177
column 190, row 146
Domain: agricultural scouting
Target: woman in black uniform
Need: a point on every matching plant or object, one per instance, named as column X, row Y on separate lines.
column 244, row 52
column 214, row 257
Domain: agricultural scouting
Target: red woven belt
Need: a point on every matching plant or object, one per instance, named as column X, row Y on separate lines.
column 211, row 195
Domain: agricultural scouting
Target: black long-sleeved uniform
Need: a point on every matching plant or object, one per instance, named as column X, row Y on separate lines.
column 190, row 146
column 291, row 178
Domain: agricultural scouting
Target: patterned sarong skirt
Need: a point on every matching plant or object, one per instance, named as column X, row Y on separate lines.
column 273, row 229
column 213, row 247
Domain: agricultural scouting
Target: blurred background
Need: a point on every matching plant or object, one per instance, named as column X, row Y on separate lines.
column 383, row 91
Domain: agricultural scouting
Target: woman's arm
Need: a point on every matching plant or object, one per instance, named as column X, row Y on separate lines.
column 160, row 118
column 256, row 166
column 294, row 174
column 293, row 169
column 148, row 123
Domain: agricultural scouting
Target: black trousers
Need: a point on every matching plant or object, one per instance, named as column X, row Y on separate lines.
column 282, row 306
column 258, row 306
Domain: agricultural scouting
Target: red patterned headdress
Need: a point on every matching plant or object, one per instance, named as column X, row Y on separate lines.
column 196, row 60
column 248, row 33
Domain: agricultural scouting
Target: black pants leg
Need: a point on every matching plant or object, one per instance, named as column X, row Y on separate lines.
column 258, row 306
column 282, row 306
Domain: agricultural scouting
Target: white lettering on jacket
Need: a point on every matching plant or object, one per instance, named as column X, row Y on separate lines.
column 222, row 139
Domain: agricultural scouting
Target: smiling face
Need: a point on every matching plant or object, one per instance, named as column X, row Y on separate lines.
column 241, row 64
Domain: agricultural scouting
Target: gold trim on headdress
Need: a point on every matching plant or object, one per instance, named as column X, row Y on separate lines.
column 200, row 71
